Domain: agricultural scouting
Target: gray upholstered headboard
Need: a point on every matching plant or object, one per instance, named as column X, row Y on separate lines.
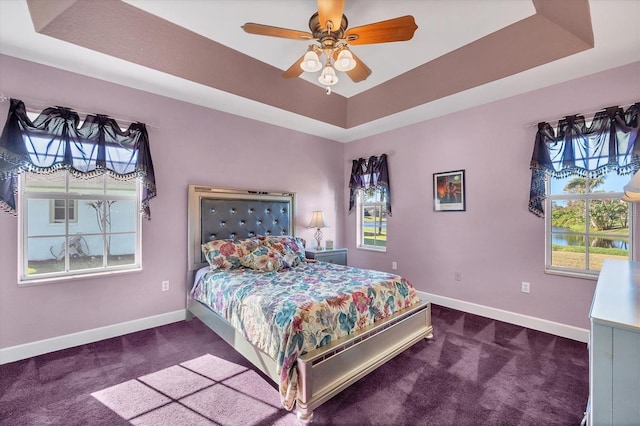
column 218, row 213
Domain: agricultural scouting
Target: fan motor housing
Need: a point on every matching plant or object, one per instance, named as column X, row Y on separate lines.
column 327, row 38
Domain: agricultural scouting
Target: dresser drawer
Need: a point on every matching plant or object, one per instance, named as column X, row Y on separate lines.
column 337, row 256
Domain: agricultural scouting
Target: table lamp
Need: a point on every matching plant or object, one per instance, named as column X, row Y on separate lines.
column 317, row 221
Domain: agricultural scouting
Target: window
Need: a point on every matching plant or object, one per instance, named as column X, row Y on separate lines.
column 60, row 211
column 372, row 219
column 95, row 226
column 370, row 192
column 586, row 223
column 78, row 187
column 578, row 173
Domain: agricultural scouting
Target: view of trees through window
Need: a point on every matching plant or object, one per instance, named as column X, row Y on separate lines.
column 588, row 222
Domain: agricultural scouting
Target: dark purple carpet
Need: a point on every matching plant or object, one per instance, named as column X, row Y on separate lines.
column 476, row 371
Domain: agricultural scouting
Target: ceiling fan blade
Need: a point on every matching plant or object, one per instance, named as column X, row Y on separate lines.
column 268, row 30
column 360, row 72
column 397, row 29
column 294, row 70
column 330, row 10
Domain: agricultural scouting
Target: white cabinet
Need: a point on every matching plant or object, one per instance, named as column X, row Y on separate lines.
column 614, row 350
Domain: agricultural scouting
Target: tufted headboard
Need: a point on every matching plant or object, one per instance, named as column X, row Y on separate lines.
column 218, row 213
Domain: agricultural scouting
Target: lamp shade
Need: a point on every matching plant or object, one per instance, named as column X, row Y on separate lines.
column 345, row 61
column 317, row 220
column 311, row 62
column 631, row 198
column 328, row 76
column 632, row 189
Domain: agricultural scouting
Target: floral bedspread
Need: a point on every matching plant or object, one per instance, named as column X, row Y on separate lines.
column 293, row 311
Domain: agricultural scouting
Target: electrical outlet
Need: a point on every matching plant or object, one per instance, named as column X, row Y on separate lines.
column 165, row 285
column 394, row 265
column 457, row 276
column 525, row 287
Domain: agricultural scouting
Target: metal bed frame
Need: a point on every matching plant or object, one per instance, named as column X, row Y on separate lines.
column 217, row 213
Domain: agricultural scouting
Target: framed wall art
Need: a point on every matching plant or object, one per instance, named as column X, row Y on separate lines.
column 449, row 193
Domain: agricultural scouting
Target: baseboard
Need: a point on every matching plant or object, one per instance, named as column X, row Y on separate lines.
column 558, row 329
column 28, row 350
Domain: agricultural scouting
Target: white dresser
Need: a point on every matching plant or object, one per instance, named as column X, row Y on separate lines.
column 614, row 350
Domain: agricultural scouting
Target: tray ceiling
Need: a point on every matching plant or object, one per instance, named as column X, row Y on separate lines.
column 464, row 53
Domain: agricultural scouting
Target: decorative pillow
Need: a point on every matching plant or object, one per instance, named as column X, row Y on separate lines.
column 264, row 259
column 226, row 254
column 287, row 246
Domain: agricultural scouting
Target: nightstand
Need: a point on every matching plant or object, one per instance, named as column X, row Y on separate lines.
column 337, row 256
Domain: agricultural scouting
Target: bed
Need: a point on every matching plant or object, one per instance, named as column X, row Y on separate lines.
column 313, row 372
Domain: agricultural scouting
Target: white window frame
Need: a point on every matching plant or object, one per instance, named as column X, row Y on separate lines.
column 360, row 239
column 25, row 279
column 580, row 273
column 73, row 206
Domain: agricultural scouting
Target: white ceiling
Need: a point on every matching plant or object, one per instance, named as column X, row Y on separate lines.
column 221, row 21
column 443, row 25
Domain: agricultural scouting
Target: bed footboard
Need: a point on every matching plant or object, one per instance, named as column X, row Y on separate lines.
column 325, row 372
column 329, row 370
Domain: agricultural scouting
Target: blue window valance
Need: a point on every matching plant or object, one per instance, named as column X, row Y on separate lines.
column 609, row 143
column 57, row 140
column 371, row 174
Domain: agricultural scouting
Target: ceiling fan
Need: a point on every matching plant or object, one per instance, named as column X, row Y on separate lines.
column 329, row 29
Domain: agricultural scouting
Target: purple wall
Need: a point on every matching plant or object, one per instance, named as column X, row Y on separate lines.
column 221, row 150
column 496, row 244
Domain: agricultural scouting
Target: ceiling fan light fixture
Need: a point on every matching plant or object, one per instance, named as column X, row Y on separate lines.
column 345, row 61
column 311, row 62
column 328, row 76
column 332, row 38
